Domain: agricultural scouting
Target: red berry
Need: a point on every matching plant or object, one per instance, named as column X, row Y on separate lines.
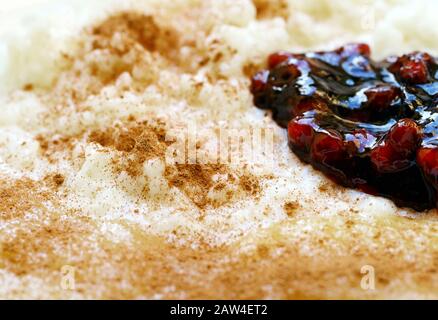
column 386, row 159
column 307, row 104
column 328, row 147
column 289, row 72
column 367, row 188
column 427, row 159
column 381, row 96
column 405, row 136
column 414, row 72
column 363, row 123
column 279, row 57
column 259, row 81
column 412, row 67
column 396, row 152
column 300, row 132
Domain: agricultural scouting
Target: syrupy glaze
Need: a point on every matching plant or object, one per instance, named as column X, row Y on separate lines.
column 365, row 124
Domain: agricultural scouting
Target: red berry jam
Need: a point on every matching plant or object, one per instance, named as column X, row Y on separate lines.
column 366, row 124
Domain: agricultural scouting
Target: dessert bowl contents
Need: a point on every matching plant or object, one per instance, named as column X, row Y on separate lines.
column 94, row 95
column 366, row 124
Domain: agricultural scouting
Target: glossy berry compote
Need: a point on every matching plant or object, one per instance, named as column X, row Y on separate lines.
column 365, row 124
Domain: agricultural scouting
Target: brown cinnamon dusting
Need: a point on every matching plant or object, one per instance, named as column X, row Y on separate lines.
column 19, row 197
column 163, row 270
column 140, row 141
column 56, row 180
column 28, row 87
column 136, row 45
column 44, row 246
column 51, row 147
column 330, row 188
column 117, row 45
column 250, row 184
column 269, row 9
column 139, row 28
column 196, row 181
column 291, row 207
column 250, row 68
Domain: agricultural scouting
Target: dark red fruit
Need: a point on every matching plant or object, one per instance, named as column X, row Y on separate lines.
column 363, row 123
column 387, row 160
column 300, row 132
column 405, row 136
column 427, row 159
column 328, row 148
column 412, row 68
column 259, row 81
column 276, row 58
column 381, row 96
column 289, row 72
column 364, row 187
column 308, row 104
column 414, row 72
